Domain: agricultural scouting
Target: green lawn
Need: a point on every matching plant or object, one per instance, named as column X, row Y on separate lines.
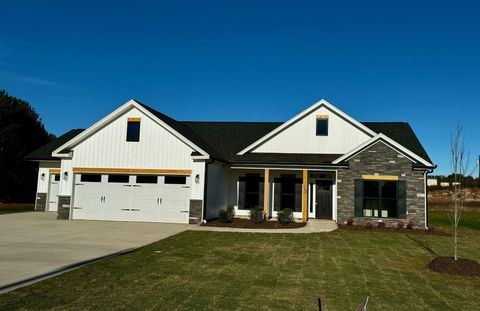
column 16, row 208
column 438, row 216
column 224, row 271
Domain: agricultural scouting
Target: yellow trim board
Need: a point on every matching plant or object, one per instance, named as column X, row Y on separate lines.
column 134, row 119
column 266, row 192
column 130, row 170
column 322, row 116
column 54, row 171
column 379, row 177
column 304, row 195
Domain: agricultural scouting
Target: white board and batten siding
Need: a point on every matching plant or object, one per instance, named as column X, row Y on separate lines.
column 157, row 149
column 300, row 137
column 66, row 178
column 44, row 168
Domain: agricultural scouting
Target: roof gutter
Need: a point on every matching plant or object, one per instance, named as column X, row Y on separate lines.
column 287, row 165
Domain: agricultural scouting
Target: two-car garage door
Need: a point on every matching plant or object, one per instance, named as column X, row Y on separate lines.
column 156, row 198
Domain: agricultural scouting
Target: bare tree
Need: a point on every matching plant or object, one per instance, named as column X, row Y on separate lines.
column 460, row 164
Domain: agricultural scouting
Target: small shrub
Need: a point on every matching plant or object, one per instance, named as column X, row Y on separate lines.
column 257, row 215
column 410, row 224
column 368, row 225
column 400, row 225
column 226, row 215
column 381, row 225
column 285, row 216
column 350, row 221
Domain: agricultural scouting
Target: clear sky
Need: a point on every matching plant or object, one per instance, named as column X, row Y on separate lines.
column 414, row 61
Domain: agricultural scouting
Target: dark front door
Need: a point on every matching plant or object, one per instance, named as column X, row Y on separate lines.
column 323, row 208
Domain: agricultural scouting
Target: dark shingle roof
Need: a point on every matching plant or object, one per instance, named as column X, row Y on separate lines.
column 402, row 133
column 223, row 140
column 228, row 138
column 45, row 152
column 184, row 130
column 285, row 158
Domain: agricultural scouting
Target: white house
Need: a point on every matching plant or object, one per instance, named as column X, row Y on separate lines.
column 137, row 164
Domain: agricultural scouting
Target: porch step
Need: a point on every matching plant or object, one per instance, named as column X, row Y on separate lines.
column 321, row 225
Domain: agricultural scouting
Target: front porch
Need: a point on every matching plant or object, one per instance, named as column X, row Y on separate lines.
column 311, row 194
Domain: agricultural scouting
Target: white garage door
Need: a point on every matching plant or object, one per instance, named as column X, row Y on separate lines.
column 132, row 197
column 53, row 192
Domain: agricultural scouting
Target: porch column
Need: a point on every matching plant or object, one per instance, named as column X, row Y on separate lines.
column 266, row 192
column 304, row 195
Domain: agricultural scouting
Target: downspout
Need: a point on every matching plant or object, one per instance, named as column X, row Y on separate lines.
column 426, row 195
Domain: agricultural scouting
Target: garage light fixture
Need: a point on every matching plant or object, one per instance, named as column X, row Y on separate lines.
column 65, row 175
column 197, row 178
column 42, row 176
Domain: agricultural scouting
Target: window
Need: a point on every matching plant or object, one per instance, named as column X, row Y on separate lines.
column 147, row 179
column 322, row 125
column 288, row 193
column 91, row 178
column 118, row 178
column 56, row 177
column 250, row 191
column 380, row 199
column 133, row 130
column 176, row 180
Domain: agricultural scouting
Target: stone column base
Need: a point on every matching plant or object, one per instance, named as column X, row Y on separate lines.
column 63, row 207
column 195, row 211
column 41, row 202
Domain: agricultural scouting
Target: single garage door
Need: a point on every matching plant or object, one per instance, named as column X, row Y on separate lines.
column 155, row 198
column 53, row 192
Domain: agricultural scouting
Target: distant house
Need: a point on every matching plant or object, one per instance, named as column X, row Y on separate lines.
column 432, row 182
column 445, row 184
column 137, row 164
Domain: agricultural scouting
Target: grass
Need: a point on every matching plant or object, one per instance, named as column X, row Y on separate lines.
column 223, row 271
column 470, row 219
column 16, row 208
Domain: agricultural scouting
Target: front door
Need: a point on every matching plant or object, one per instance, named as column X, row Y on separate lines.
column 323, row 205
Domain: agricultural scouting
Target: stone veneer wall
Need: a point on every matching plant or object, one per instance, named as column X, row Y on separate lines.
column 41, row 202
column 63, row 207
column 195, row 211
column 382, row 160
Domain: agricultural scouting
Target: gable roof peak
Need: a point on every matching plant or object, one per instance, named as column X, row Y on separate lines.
column 301, row 115
column 178, row 129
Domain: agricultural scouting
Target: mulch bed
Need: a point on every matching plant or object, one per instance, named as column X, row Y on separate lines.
column 405, row 230
column 245, row 223
column 462, row 267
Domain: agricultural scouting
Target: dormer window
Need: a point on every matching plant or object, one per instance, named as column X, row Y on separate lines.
column 133, row 129
column 322, row 125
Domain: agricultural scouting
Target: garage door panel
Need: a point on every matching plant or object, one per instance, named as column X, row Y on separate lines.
column 175, row 203
column 87, row 202
column 117, row 202
column 149, row 199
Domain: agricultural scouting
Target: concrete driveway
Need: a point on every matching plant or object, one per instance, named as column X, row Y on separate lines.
column 35, row 243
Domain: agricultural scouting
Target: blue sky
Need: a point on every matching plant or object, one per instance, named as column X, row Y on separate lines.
column 415, row 61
